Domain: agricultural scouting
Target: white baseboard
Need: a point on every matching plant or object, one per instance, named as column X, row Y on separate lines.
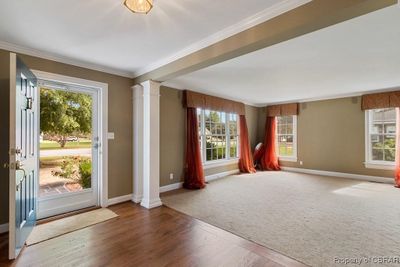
column 213, row 177
column 341, row 175
column 116, row 200
column 170, row 187
column 3, row 228
column 208, row 178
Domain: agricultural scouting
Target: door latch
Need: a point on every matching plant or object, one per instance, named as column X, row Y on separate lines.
column 15, row 151
column 29, row 102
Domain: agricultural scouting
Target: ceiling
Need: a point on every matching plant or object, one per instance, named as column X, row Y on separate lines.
column 349, row 58
column 106, row 34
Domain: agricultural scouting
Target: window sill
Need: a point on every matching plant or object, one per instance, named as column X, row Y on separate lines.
column 379, row 165
column 220, row 163
column 291, row 159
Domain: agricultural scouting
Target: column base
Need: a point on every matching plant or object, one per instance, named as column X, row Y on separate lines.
column 137, row 198
column 149, row 204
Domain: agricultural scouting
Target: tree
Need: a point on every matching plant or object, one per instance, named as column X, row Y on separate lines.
column 64, row 113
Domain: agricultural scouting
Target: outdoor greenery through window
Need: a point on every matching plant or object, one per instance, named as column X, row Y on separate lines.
column 218, row 133
column 65, row 141
column 382, row 134
column 286, row 136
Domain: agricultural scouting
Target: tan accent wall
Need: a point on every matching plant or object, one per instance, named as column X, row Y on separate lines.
column 172, row 136
column 331, row 137
column 119, row 122
column 4, row 132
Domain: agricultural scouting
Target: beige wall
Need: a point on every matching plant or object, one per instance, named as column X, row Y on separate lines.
column 120, row 120
column 331, row 137
column 172, row 136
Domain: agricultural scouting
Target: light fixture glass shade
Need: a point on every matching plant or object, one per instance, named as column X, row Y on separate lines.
column 139, row 6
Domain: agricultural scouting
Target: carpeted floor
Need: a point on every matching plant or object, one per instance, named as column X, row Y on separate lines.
column 314, row 219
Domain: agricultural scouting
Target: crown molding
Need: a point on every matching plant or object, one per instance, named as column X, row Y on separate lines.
column 50, row 56
column 181, row 88
column 264, row 15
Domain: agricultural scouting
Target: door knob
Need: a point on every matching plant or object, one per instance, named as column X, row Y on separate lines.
column 18, row 165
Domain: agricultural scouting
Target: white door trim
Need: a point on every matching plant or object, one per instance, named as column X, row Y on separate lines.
column 12, row 182
column 103, row 127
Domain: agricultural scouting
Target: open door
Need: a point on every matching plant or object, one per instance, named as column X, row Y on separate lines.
column 23, row 162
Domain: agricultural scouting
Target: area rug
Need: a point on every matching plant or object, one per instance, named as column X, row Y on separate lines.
column 66, row 225
column 317, row 220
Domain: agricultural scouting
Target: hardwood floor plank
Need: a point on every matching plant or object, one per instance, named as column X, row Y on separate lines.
column 141, row 237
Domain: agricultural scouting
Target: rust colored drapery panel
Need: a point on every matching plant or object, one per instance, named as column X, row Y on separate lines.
column 283, row 110
column 246, row 164
column 269, row 161
column 397, row 166
column 194, row 174
column 198, row 100
column 381, row 100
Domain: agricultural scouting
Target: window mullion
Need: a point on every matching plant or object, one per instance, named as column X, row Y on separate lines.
column 203, row 136
column 227, row 137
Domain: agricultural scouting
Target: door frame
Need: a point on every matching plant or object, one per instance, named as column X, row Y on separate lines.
column 102, row 89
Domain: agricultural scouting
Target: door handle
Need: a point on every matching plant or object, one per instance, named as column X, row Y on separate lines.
column 18, row 167
column 20, row 182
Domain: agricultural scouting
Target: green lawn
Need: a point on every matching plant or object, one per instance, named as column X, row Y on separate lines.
column 54, row 161
column 284, row 152
column 46, row 145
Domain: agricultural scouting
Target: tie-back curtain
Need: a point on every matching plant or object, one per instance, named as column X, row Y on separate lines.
column 194, row 174
column 397, row 165
column 246, row 163
column 198, row 100
column 283, row 110
column 269, row 161
column 380, row 100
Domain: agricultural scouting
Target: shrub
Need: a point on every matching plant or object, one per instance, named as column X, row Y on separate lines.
column 76, row 169
column 85, row 171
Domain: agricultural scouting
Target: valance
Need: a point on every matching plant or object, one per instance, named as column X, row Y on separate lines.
column 381, row 100
column 283, row 110
column 198, row 100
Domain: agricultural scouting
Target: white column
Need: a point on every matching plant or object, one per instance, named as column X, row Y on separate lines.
column 151, row 145
column 137, row 143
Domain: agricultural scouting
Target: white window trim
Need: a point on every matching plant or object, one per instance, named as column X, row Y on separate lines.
column 373, row 164
column 220, row 162
column 288, row 158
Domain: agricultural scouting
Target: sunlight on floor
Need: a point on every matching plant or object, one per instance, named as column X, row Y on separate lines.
column 364, row 189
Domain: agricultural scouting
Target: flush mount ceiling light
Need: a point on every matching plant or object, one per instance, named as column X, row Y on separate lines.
column 139, row 6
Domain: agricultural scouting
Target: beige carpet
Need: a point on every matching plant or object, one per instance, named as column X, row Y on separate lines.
column 66, row 225
column 313, row 219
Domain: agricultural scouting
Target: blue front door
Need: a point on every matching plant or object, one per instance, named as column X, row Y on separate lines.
column 23, row 154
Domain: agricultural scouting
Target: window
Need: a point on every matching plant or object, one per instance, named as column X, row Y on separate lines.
column 219, row 137
column 381, row 138
column 286, row 139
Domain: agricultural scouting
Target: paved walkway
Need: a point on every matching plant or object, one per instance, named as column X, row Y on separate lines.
column 66, row 152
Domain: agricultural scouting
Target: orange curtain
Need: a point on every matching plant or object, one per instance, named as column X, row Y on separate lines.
column 194, row 174
column 397, row 169
column 246, row 163
column 269, row 161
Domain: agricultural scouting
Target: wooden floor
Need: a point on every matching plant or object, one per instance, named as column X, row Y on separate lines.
column 141, row 237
